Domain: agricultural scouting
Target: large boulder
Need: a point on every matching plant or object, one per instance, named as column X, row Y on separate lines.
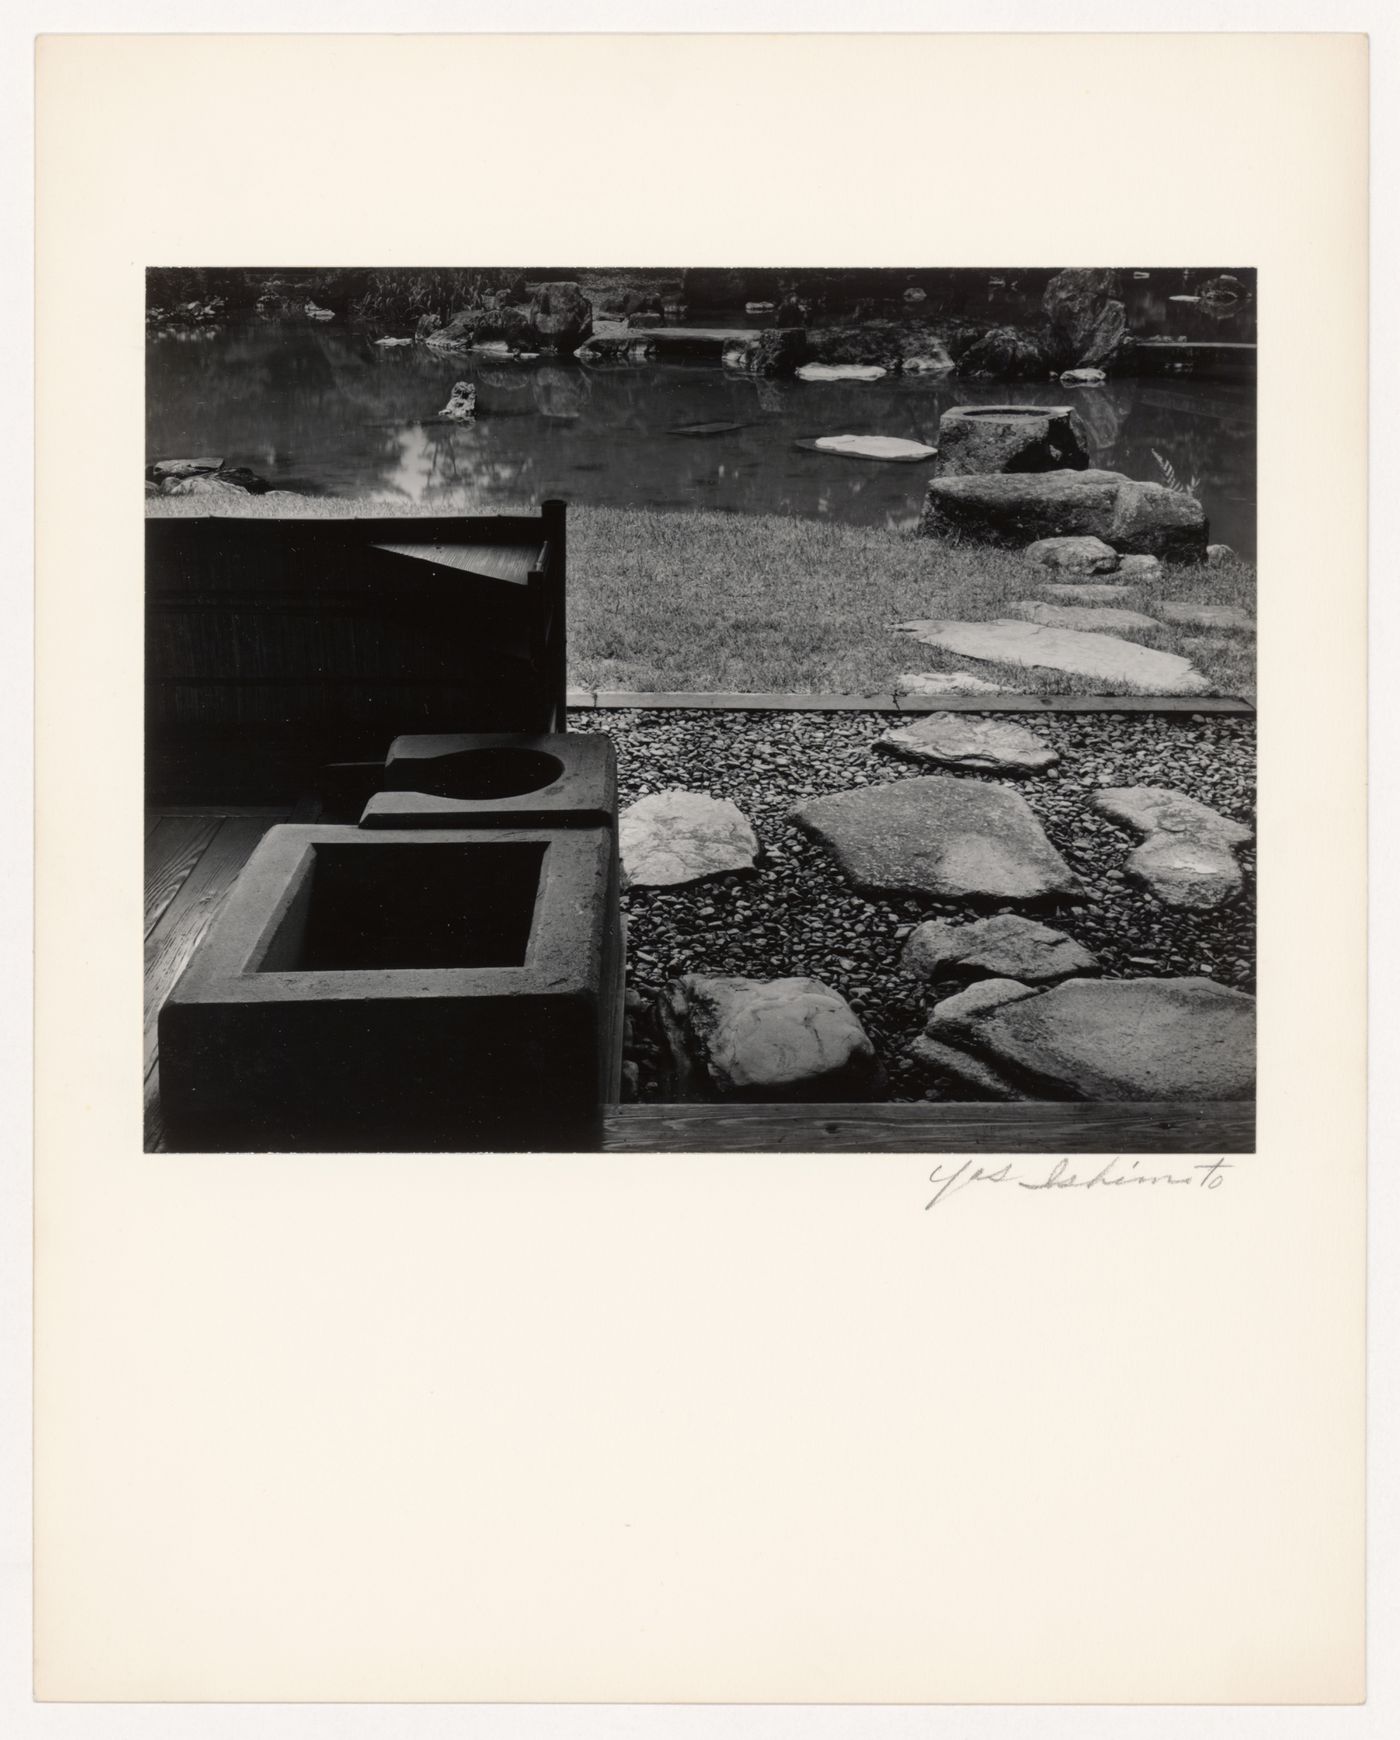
column 1107, row 1039
column 974, row 439
column 1085, row 316
column 955, row 839
column 1018, row 508
column 1007, row 354
column 561, row 317
column 763, row 1039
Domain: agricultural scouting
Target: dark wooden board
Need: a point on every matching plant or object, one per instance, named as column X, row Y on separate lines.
column 188, row 915
column 625, row 700
column 1021, row 1127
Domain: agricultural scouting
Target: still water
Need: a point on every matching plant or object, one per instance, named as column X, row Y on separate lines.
column 326, row 411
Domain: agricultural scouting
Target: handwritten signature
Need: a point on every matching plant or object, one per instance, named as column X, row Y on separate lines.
column 1201, row 1175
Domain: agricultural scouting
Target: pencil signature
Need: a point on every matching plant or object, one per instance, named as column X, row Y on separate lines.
column 1200, row 1175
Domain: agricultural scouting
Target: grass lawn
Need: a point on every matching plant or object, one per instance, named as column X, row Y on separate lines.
column 705, row 600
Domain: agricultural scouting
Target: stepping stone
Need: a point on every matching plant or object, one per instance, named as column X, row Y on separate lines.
column 672, row 837
column 958, row 839
column 1001, row 948
column 714, row 427
column 869, row 447
column 1079, row 616
column 1101, row 656
column 764, row 1039
column 963, row 740
column 840, row 372
column 1088, row 593
column 1074, row 555
column 1189, row 615
column 1186, row 857
column 1118, row 1039
column 976, row 1000
column 936, row 683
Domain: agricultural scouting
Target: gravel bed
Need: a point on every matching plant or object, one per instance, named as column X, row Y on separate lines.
column 797, row 914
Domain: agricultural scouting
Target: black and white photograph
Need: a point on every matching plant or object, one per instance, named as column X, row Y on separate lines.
column 701, row 708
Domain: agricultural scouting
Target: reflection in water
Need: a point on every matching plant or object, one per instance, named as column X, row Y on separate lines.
column 325, row 411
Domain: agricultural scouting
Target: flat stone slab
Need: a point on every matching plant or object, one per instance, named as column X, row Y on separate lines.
column 935, row 683
column 1186, row 857
column 965, row 741
column 1000, row 948
column 1120, row 1039
column 1191, row 615
column 1075, row 555
column 840, row 372
column 764, row 1039
column 959, row 839
column 670, row 837
column 1087, row 617
column 1088, row 592
column 1101, row 656
column 870, row 447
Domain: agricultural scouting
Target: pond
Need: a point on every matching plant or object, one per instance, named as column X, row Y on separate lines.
column 324, row 410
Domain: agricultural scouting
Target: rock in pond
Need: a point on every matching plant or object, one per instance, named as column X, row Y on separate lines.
column 955, row 839
column 671, row 837
column 1017, row 508
column 1112, row 1039
column 1187, row 853
column 870, row 447
column 461, row 403
column 1004, row 947
column 817, row 371
column 175, row 468
column 975, row 439
column 1085, row 314
column 965, row 741
column 1073, row 555
column 1088, row 617
column 1083, row 378
column 931, row 685
column 1101, row 656
column 763, row 1039
column 1188, row 614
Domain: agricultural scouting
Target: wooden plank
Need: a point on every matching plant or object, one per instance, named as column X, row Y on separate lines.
column 626, row 700
column 173, row 849
column 509, row 562
column 188, row 916
column 1019, row 1127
